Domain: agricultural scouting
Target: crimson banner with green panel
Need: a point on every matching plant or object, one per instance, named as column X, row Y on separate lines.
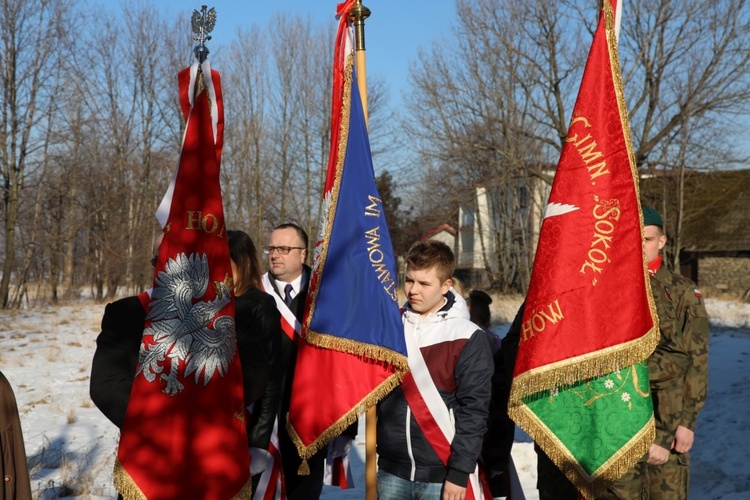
column 580, row 386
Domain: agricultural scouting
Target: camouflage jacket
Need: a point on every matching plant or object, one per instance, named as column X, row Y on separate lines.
column 678, row 368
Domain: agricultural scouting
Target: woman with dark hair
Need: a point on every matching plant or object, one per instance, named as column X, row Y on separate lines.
column 258, row 326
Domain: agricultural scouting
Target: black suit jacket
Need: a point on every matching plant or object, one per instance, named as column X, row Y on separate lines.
column 289, row 351
column 288, row 358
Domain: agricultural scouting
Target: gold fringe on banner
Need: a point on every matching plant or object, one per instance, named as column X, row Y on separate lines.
column 246, row 493
column 586, row 366
column 335, row 430
column 594, row 485
column 125, row 485
column 304, row 468
column 356, row 348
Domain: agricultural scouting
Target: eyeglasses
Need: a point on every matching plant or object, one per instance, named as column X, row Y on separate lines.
column 281, row 250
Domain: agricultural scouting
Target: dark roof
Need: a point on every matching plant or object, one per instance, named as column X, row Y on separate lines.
column 717, row 209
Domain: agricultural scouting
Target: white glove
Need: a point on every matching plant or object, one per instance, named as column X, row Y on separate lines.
column 339, row 447
column 259, row 459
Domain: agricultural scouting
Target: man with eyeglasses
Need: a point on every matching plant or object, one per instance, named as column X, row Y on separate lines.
column 287, row 280
column 287, row 272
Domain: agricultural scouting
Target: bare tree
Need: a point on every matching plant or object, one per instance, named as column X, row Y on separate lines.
column 278, row 105
column 246, row 157
column 490, row 105
column 125, row 108
column 31, row 33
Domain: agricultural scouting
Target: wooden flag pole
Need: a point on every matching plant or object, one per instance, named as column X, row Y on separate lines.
column 358, row 15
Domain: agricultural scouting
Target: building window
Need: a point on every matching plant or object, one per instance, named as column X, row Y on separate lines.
column 467, row 217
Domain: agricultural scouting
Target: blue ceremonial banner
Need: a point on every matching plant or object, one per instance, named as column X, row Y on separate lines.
column 352, row 351
column 357, row 298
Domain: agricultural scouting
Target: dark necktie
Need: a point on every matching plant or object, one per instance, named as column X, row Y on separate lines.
column 288, row 295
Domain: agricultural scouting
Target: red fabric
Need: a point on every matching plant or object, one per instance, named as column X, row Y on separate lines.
column 289, row 330
column 191, row 444
column 144, row 299
column 432, row 431
column 348, row 377
column 339, row 59
column 654, row 265
column 588, row 291
column 183, row 80
column 339, row 474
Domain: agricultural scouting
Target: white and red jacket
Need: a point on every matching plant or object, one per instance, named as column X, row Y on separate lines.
column 459, row 360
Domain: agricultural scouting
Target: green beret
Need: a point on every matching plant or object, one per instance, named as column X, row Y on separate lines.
column 652, row 218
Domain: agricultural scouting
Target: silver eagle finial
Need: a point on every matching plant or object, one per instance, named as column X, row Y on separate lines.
column 202, row 23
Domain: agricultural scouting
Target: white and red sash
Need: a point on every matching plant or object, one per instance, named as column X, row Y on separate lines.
column 289, row 323
column 145, row 299
column 271, row 485
column 292, row 328
column 432, row 414
column 338, row 469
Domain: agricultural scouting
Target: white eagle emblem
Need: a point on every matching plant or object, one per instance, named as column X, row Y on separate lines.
column 180, row 327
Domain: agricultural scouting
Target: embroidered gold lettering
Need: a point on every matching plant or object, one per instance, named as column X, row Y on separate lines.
column 552, row 313
column 372, row 209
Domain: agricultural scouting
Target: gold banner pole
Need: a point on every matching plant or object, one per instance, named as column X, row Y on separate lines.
column 358, row 15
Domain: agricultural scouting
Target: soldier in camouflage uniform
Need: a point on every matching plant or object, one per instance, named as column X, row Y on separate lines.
column 678, row 371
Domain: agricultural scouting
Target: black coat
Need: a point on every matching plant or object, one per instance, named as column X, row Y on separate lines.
column 259, row 339
column 116, row 357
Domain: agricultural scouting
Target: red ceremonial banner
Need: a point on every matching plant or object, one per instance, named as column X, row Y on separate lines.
column 184, row 432
column 587, row 308
column 589, row 316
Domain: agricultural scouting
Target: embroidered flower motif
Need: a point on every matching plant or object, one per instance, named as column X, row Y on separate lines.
column 609, row 383
column 625, row 397
column 554, row 391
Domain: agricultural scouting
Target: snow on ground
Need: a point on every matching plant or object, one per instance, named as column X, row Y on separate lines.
column 46, row 355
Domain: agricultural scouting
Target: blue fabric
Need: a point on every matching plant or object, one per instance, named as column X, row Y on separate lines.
column 392, row 487
column 356, row 298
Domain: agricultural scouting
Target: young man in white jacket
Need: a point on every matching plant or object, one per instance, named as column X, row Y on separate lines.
column 430, row 429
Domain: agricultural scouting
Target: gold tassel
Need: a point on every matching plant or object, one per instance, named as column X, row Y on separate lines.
column 304, row 468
